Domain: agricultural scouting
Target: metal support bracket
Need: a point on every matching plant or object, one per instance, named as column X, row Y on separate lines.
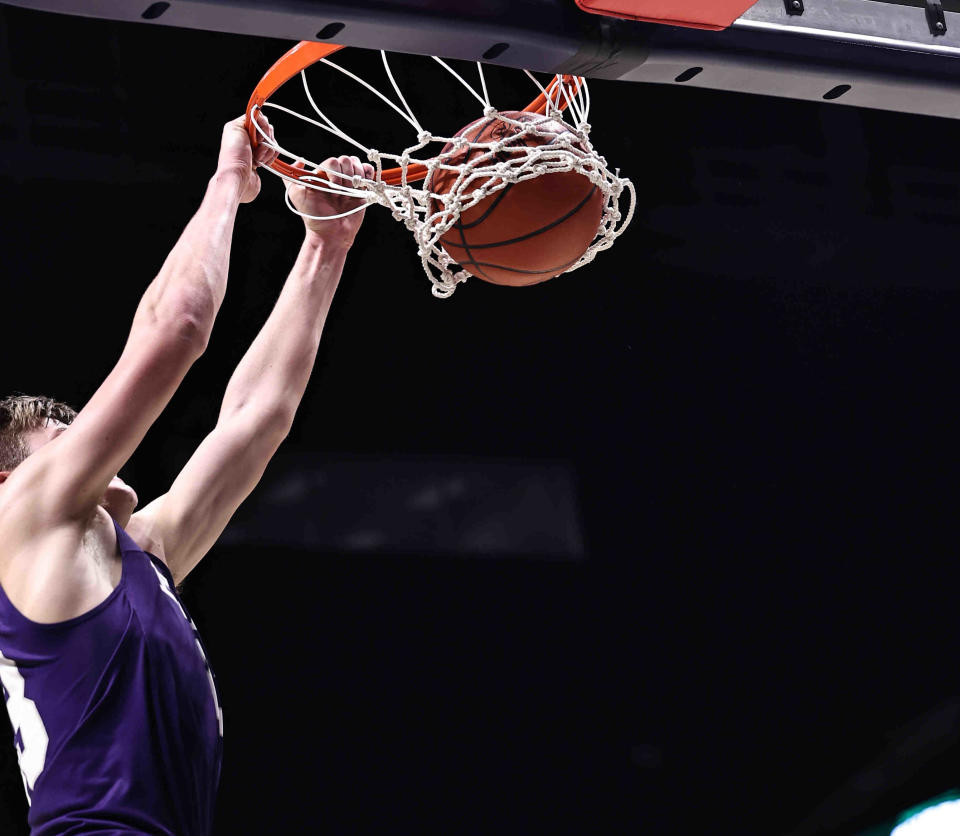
column 935, row 18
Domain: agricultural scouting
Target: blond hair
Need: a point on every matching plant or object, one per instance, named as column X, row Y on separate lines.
column 21, row 414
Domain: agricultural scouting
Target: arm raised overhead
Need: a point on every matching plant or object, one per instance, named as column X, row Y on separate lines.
column 61, row 482
column 263, row 394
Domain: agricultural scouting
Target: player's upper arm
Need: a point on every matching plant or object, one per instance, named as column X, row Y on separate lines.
column 181, row 526
column 66, row 477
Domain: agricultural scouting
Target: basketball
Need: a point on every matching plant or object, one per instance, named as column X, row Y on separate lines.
column 529, row 231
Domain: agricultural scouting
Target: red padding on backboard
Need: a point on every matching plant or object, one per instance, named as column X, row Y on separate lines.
column 696, row 14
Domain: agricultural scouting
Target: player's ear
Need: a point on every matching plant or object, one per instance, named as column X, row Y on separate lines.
column 3, row 476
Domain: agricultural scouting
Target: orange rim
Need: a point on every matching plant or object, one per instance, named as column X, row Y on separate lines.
column 306, row 53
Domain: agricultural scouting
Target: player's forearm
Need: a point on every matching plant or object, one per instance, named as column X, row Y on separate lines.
column 271, row 378
column 192, row 281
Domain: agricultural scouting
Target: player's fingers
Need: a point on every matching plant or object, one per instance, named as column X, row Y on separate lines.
column 264, row 154
column 346, row 167
column 329, row 169
column 264, row 130
column 368, row 171
column 264, row 133
column 356, row 168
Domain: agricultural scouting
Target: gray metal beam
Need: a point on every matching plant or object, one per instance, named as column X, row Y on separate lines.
column 864, row 53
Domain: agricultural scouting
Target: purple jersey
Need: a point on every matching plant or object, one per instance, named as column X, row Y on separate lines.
column 115, row 713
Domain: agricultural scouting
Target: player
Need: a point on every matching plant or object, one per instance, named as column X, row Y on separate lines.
column 115, row 711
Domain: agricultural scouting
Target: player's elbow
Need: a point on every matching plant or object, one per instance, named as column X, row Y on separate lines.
column 190, row 329
column 179, row 333
column 276, row 423
column 255, row 434
column 184, row 321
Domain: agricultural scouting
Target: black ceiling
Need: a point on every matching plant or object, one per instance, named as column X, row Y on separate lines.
column 753, row 393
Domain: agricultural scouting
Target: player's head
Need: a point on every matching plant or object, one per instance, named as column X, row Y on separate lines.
column 27, row 423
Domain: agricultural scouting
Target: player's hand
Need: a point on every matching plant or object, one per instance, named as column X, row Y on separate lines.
column 237, row 155
column 313, row 202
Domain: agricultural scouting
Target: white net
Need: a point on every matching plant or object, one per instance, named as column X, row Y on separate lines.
column 469, row 172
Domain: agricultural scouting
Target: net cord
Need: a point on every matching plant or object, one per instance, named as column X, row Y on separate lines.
column 483, row 84
column 483, row 101
column 396, row 87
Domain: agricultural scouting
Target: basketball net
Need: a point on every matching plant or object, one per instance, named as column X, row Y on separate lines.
column 489, row 168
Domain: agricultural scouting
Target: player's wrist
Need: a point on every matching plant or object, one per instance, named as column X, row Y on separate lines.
column 229, row 178
column 329, row 242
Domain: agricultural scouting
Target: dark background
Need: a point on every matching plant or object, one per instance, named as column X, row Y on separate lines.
column 752, row 398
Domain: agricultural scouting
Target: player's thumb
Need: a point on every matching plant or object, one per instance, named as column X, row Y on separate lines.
column 292, row 189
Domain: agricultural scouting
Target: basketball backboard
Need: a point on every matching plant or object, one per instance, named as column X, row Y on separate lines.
column 899, row 55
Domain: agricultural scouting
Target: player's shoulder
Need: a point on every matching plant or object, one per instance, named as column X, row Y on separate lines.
column 29, row 506
column 23, row 525
column 52, row 573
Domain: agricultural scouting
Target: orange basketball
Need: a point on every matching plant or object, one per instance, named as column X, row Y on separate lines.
column 527, row 232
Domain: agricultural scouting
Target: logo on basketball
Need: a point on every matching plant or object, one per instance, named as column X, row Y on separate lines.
column 498, row 133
